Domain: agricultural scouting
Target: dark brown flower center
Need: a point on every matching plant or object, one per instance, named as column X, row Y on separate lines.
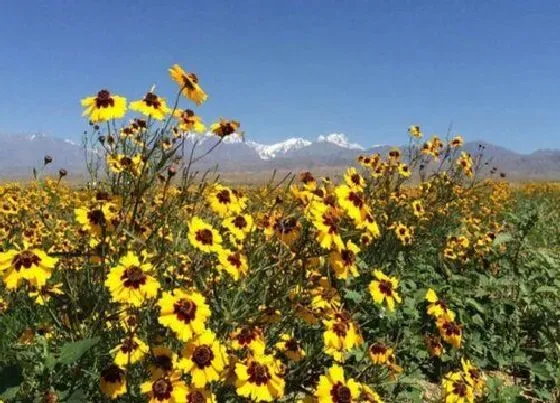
column 133, row 277
column 385, row 287
column 163, row 361
column 112, row 374
column 258, row 373
column 129, row 345
column 292, row 345
column 307, row 177
column 104, row 99
column 240, row 222
column 246, row 336
column 356, row 179
column 96, row 217
column 347, row 257
column 460, row 388
column 235, row 260
column 27, row 259
column 331, row 220
column 204, row 236
column 162, row 389
column 356, row 199
column 185, row 310
column 451, row 328
column 341, row 393
column 285, row 225
column 341, row 328
column 223, row 196
column 196, row 396
column 152, row 100
column 202, row 356
column 377, row 349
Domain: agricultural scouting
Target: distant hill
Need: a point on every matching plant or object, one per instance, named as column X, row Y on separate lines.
column 20, row 153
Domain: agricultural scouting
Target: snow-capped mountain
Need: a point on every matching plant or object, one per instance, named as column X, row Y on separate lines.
column 340, row 140
column 270, row 151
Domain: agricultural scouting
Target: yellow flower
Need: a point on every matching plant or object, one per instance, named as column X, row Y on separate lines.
column 204, row 358
column 343, row 262
column 239, row 225
column 368, row 395
column 112, row 382
column 466, row 163
column 473, row 375
column 104, row 106
column 341, row 335
column 333, row 388
column 43, row 295
column 203, row 236
column 403, row 233
column 166, row 389
column 415, row 131
column 196, row 395
column 434, row 345
column 417, row 208
column 327, row 221
column 32, row 265
column 248, row 337
column 259, row 379
column 352, row 201
column 456, row 142
column 233, row 262
column 130, row 350
column 188, row 83
column 290, row 347
column 436, row 306
column 224, row 127
column 224, row 201
column 163, row 362
column 457, row 389
column 188, row 121
column 384, row 288
column 450, row 331
column 122, row 163
column 130, row 281
column 404, row 170
column 353, row 179
column 186, row 313
column 151, row 105
column 379, row 353
column 96, row 218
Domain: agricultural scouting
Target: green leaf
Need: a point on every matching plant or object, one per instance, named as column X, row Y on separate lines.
column 475, row 305
column 353, row 296
column 543, row 289
column 72, row 352
column 10, row 393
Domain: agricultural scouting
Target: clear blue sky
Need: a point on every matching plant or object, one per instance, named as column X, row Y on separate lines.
column 295, row 68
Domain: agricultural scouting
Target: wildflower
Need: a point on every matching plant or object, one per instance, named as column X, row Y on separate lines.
column 343, row 262
column 368, row 395
column 188, row 121
column 196, row 395
column 450, row 331
column 341, row 335
column 327, row 221
column 434, row 345
column 290, row 347
column 259, row 378
column 457, row 389
column 287, row 229
column 204, row 358
column 186, row 313
column 249, row 337
column 384, row 289
column 465, row 162
column 437, row 307
column 352, row 201
column 97, row 218
column 473, row 375
column 130, row 282
column 32, row 265
column 404, row 170
column 417, row 208
column 119, row 163
column 239, row 225
column 151, row 105
column 456, row 142
column 165, row 389
column 130, row 351
column 112, row 382
column 415, row 131
column 379, row 353
column 333, row 388
column 188, row 83
column 203, row 236
column 224, row 201
column 224, row 128
column 104, row 106
column 43, row 295
column 163, row 362
column 232, row 262
column 269, row 315
column 354, row 179
column 403, row 233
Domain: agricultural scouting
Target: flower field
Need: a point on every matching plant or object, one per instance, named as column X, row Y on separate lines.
column 421, row 275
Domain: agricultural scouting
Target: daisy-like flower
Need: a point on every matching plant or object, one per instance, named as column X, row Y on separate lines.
column 379, row 353
column 166, row 389
column 417, row 208
column 343, row 261
column 232, row 262
column 287, row 229
column 327, row 220
column 333, row 388
column 352, row 201
column 130, row 282
column 436, row 306
column 104, row 106
column 404, row 170
column 290, row 347
column 415, row 131
column 163, row 362
column 354, row 179
column 203, row 236
column 224, row 127
column 403, row 233
column 43, row 295
column 473, row 375
column 260, row 378
column 204, row 358
column 119, row 163
column 224, row 201
column 341, row 335
column 188, row 83
column 456, row 142
column 32, row 265
column 188, row 121
column 97, row 217
column 131, row 350
column 249, row 337
column 456, row 388
column 196, row 395
column 186, row 313
column 450, row 331
column 466, row 163
column 112, row 382
column 384, row 288
column 368, row 395
column 239, row 225
column 434, row 345
column 151, row 105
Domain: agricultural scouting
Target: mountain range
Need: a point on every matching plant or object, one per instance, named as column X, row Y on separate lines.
column 327, row 153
